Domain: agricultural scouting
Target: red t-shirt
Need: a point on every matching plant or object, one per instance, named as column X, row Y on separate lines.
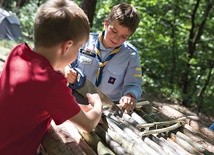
column 31, row 94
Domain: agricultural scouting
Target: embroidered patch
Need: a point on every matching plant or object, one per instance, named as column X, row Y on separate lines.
column 85, row 60
column 138, row 75
column 138, row 68
column 111, row 80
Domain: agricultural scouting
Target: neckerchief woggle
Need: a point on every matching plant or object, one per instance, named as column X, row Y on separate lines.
column 102, row 63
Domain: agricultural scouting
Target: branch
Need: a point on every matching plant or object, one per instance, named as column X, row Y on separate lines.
column 180, row 120
column 156, row 131
column 201, row 26
column 191, row 35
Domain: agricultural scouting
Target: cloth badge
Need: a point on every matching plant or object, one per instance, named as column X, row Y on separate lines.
column 85, row 60
column 111, row 80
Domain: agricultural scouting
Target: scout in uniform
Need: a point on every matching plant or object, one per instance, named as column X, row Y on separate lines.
column 110, row 62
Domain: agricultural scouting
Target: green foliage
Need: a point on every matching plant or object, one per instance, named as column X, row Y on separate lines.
column 27, row 15
column 9, row 4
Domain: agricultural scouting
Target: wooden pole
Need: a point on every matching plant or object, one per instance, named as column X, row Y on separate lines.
column 119, row 150
column 200, row 138
column 166, row 147
column 173, row 113
column 96, row 143
column 137, row 118
column 144, row 115
column 128, row 134
column 130, row 145
column 185, row 144
column 197, row 146
column 154, row 146
column 201, row 128
column 177, row 147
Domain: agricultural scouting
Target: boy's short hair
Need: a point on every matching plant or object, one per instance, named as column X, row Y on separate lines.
column 60, row 20
column 126, row 15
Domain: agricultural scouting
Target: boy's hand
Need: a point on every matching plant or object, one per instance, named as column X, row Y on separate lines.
column 95, row 101
column 92, row 100
column 70, row 74
column 127, row 103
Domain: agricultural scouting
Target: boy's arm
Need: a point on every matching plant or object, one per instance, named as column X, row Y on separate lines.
column 87, row 121
column 132, row 84
column 133, row 78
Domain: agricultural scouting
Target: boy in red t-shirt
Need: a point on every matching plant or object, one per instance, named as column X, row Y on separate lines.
column 33, row 91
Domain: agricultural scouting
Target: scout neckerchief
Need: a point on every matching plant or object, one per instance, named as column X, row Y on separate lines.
column 102, row 63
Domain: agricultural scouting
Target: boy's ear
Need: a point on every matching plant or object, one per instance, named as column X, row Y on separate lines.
column 66, row 46
column 105, row 23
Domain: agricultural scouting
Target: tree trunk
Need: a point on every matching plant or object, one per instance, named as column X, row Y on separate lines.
column 89, row 7
column 1, row 3
column 21, row 3
column 201, row 94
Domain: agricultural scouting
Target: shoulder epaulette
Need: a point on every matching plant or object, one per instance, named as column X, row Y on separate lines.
column 131, row 46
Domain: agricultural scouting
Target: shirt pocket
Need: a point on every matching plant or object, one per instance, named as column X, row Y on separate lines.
column 115, row 69
column 113, row 78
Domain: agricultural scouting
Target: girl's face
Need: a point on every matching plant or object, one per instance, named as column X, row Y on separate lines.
column 115, row 34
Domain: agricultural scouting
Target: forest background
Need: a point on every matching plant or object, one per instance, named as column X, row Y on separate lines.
column 175, row 40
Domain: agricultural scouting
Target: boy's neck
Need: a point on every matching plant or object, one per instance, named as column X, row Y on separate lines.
column 104, row 43
column 49, row 54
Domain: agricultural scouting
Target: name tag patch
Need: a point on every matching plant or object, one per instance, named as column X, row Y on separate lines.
column 88, row 52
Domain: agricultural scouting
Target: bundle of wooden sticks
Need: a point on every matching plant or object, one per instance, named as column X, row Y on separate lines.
column 152, row 129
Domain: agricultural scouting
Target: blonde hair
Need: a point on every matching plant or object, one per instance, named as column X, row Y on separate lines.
column 58, row 21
